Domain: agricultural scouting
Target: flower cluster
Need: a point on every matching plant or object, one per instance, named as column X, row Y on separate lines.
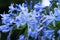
column 38, row 23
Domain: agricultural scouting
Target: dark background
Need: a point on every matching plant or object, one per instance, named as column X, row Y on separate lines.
column 4, row 4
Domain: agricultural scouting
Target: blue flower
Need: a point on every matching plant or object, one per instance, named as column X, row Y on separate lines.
column 30, row 4
column 4, row 15
column 21, row 19
column 34, row 32
column 5, row 28
column 21, row 37
column 12, row 15
column 18, row 7
column 48, row 33
column 31, row 33
column 49, row 19
column 39, row 7
column 17, row 21
column 26, row 4
column 58, row 32
column 22, row 7
column 57, row 14
column 7, row 20
column 11, row 8
column 35, row 20
column 33, row 24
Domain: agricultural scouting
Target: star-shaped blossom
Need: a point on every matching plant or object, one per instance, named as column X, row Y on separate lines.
column 11, row 8
column 48, row 33
column 39, row 7
column 57, row 13
column 6, row 19
column 5, row 28
column 58, row 32
column 21, row 37
column 49, row 18
column 21, row 19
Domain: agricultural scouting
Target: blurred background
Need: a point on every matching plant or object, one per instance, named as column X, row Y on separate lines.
column 4, row 4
